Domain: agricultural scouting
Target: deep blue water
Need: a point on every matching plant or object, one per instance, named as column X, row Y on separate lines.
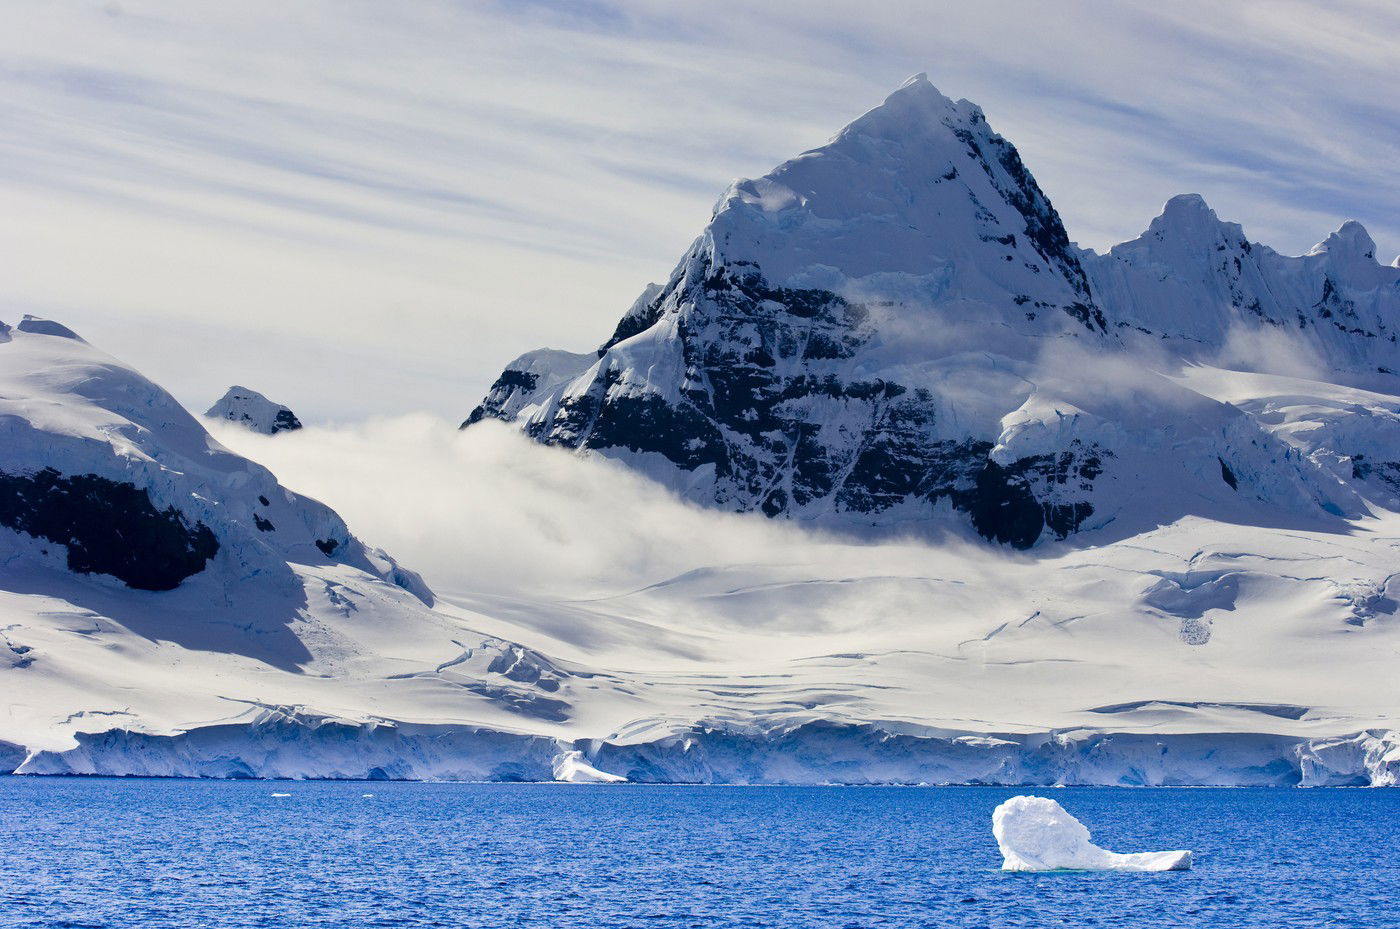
column 228, row 855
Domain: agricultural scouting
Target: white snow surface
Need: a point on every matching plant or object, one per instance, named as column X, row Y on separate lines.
column 663, row 641
column 1037, row 834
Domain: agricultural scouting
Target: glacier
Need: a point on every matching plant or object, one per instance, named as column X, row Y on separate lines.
column 1037, row 834
column 889, row 483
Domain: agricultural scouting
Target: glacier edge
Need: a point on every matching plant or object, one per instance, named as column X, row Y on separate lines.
column 290, row 745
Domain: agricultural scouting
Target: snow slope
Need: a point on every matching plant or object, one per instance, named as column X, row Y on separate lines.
column 111, row 476
column 155, row 582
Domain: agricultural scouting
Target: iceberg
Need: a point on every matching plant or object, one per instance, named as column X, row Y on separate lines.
column 1037, row 834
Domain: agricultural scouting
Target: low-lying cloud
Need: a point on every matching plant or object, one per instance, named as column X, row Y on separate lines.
column 1270, row 351
column 487, row 509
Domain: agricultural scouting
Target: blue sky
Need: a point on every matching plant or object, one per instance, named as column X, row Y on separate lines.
column 364, row 208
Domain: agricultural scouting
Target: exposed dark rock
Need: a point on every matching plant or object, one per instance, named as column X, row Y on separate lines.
column 1043, row 227
column 285, row 421
column 509, row 381
column 109, row 527
column 1228, row 475
column 756, row 376
column 1387, row 472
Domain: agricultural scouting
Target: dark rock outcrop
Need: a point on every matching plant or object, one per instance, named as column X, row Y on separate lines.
column 108, row 527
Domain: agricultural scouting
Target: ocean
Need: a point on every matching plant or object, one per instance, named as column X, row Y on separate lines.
column 155, row 853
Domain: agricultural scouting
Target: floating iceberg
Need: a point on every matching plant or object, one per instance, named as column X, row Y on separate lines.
column 1036, row 834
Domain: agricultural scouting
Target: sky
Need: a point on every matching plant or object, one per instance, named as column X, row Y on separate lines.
column 365, row 208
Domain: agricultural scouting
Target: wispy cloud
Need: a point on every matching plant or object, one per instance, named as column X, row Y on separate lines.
column 362, row 207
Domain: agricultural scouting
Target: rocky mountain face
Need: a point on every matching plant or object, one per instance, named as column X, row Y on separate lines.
column 894, row 331
column 252, row 410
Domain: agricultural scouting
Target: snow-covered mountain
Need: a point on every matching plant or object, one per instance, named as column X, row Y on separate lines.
column 1194, row 282
column 891, row 336
column 106, row 474
column 153, row 582
column 893, row 330
column 252, row 410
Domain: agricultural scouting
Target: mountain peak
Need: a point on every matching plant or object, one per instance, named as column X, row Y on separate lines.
column 1350, row 241
column 1186, row 226
column 917, row 109
column 919, row 185
column 1186, row 215
column 252, row 410
column 918, row 87
column 861, row 334
column 37, row 325
column 1187, row 205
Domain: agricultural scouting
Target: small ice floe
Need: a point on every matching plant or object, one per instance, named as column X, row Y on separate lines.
column 366, row 796
column 1036, row 834
column 571, row 768
column 281, row 795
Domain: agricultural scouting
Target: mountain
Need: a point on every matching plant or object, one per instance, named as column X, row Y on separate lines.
column 252, row 410
column 1196, row 439
column 1193, row 282
column 154, row 583
column 106, row 473
column 893, row 332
